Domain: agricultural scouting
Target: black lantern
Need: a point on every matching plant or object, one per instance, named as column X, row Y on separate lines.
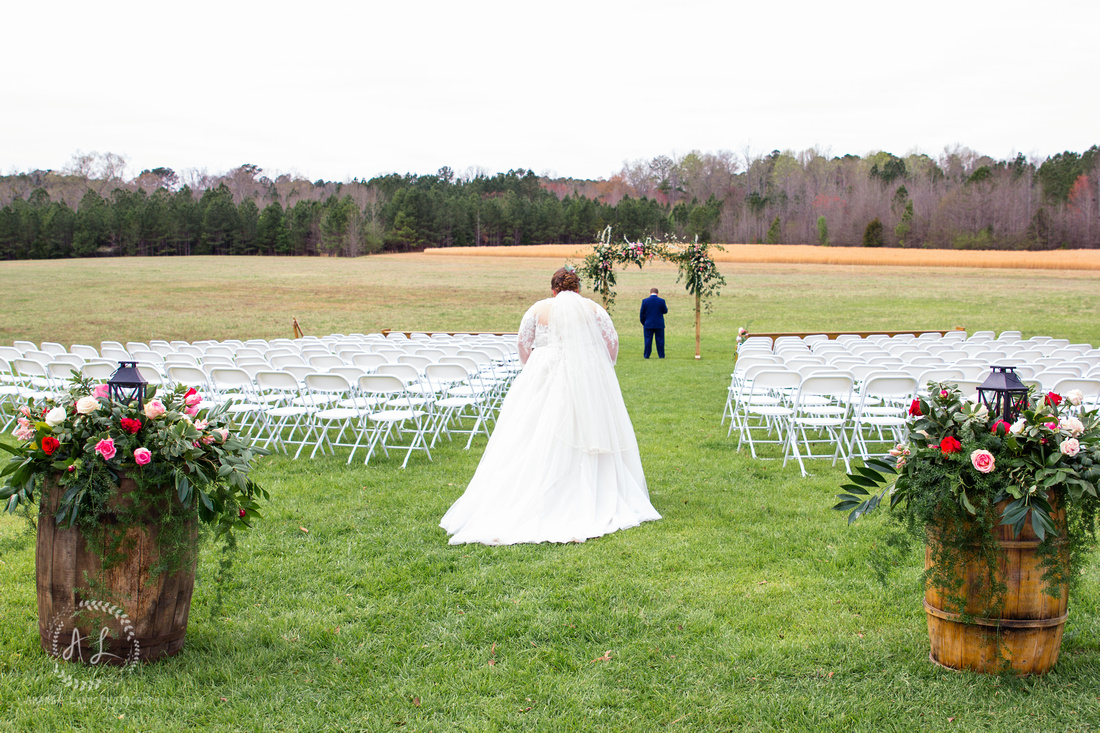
column 1003, row 394
column 127, row 384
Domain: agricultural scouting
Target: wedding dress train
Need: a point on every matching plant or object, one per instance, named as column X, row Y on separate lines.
column 562, row 464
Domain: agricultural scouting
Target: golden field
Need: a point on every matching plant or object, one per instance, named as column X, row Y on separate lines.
column 805, row 254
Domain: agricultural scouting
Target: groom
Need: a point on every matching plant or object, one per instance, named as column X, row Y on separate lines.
column 653, row 321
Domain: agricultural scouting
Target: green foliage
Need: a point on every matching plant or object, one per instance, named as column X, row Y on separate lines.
column 822, row 231
column 872, row 235
column 903, row 227
column 775, row 232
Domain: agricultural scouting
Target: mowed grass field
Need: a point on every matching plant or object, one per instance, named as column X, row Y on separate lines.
column 750, row 606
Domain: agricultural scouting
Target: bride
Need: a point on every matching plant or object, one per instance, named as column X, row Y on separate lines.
column 562, row 464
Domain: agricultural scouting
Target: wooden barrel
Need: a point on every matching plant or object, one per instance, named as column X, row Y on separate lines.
column 144, row 612
column 1020, row 632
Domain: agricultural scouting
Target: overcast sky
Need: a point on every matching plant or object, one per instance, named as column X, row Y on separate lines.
column 340, row 89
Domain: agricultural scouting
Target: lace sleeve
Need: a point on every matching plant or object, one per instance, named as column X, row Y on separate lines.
column 607, row 330
column 526, row 339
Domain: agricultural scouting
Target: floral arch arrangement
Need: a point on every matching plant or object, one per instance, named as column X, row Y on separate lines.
column 697, row 269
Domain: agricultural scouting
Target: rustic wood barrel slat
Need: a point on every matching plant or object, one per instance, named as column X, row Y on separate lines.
column 1023, row 634
column 158, row 610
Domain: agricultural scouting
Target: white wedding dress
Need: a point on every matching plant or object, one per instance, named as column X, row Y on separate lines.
column 562, row 464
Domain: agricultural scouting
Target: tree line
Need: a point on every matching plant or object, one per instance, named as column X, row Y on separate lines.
column 957, row 200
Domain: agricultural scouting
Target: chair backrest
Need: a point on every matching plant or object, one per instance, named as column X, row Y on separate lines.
column 52, row 347
column 380, row 384
column 61, row 371
column 419, row 362
column 73, row 359
column 1090, row 388
column 276, row 381
column 893, row 386
column 231, row 379
column 42, row 357
column 29, row 368
column 350, row 373
column 99, row 370
column 368, row 361
column 439, row 375
column 468, row 364
column 829, row 385
column 328, row 383
column 773, row 379
column 150, row 374
column 300, row 371
column 188, row 376
column 407, row 373
column 284, row 360
column 325, row 362
column 25, row 346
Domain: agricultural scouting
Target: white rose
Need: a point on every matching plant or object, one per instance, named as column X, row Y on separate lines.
column 1071, row 425
column 1018, row 426
column 1075, row 396
column 87, row 405
column 55, row 417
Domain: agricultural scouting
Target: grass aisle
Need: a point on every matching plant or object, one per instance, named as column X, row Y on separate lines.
column 750, row 606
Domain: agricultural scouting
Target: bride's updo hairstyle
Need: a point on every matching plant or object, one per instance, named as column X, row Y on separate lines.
column 565, row 279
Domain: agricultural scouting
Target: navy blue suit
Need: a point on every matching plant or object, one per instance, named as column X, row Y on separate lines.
column 653, row 322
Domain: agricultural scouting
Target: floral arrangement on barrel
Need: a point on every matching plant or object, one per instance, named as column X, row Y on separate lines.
column 961, row 459
column 981, row 477
column 184, row 458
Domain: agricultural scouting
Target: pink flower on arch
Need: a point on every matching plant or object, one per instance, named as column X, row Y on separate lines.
column 142, row 456
column 101, row 391
column 106, row 448
column 983, row 461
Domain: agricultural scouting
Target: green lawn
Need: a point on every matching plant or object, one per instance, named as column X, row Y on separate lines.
column 750, row 606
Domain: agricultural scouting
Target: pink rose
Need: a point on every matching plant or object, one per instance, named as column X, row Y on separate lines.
column 23, row 432
column 101, row 390
column 1070, row 447
column 192, row 398
column 106, row 448
column 983, row 461
column 154, row 409
column 207, row 439
column 201, row 424
column 222, row 433
column 25, row 410
column 142, row 456
column 191, row 411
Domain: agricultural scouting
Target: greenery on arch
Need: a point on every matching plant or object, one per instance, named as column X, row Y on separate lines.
column 696, row 268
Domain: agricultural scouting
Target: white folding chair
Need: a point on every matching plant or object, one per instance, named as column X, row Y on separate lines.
column 332, row 388
column 279, row 390
column 382, row 424
column 882, row 407
column 820, row 415
column 765, row 408
column 455, row 401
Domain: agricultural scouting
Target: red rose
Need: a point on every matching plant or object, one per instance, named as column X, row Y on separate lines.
column 950, row 445
column 130, row 425
column 1053, row 399
column 914, row 409
column 1000, row 428
column 50, row 444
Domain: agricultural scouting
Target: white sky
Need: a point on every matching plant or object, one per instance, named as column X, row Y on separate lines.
column 337, row 89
